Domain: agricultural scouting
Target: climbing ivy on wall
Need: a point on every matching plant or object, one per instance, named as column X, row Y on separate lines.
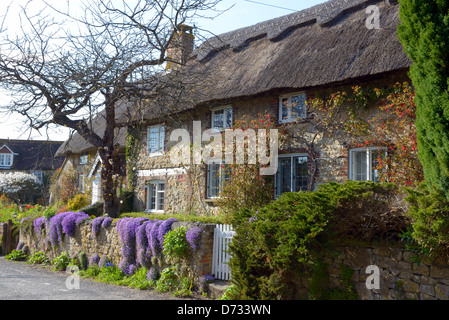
column 131, row 154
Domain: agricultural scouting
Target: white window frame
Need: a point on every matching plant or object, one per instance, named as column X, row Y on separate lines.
column 81, row 183
column 39, row 175
column 291, row 156
column 369, row 161
column 221, row 177
column 224, row 109
column 155, row 185
column 3, row 160
column 160, row 143
column 290, row 117
column 84, row 159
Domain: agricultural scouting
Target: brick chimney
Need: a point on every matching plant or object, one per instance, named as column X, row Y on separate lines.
column 180, row 47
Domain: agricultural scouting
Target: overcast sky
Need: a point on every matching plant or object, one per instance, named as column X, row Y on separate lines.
column 241, row 13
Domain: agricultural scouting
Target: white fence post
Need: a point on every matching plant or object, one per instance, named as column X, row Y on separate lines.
column 223, row 235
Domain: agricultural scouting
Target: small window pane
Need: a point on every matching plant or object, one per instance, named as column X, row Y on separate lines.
column 218, row 119
column 283, row 181
column 298, row 106
column 160, row 195
column 284, row 109
column 375, row 156
column 156, row 137
column 359, row 170
column 229, row 118
column 300, row 174
column 214, row 179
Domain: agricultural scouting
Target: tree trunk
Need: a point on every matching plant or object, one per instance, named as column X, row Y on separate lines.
column 110, row 169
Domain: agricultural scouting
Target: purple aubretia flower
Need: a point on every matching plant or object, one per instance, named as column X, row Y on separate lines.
column 127, row 228
column 94, row 260
column 37, row 224
column 152, row 274
column 71, row 220
column 193, row 237
column 106, row 222
column 96, row 225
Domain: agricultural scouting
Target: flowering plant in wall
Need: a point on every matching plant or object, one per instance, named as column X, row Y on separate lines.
column 141, row 241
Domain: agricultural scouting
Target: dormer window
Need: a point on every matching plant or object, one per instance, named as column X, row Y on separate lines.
column 6, row 159
column 292, row 107
column 222, row 118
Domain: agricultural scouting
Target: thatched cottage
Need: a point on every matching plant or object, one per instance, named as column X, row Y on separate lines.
column 270, row 68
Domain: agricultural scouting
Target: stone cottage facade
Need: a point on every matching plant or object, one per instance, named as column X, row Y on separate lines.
column 271, row 68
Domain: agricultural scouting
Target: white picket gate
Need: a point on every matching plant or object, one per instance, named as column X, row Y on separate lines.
column 223, row 235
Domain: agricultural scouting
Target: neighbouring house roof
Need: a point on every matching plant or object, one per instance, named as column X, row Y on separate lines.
column 76, row 144
column 324, row 45
column 32, row 154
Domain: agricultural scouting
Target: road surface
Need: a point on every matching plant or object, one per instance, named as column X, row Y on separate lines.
column 21, row 281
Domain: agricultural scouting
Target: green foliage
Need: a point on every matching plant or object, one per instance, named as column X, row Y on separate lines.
column 108, row 274
column 83, row 260
column 285, row 239
column 138, row 280
column 172, row 280
column 180, row 217
column 61, row 262
column 423, row 32
column 16, row 255
column 231, row 293
column 38, row 258
column 175, row 244
column 428, row 235
column 275, row 240
column 95, row 209
column 49, row 212
column 91, row 272
column 77, row 202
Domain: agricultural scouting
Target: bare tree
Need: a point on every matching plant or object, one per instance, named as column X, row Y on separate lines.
column 64, row 69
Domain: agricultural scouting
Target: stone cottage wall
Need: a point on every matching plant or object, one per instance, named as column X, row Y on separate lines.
column 107, row 243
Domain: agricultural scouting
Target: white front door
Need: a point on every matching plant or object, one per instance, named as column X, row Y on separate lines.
column 96, row 188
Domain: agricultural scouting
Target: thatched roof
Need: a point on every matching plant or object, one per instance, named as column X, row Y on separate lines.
column 76, row 144
column 320, row 46
column 325, row 44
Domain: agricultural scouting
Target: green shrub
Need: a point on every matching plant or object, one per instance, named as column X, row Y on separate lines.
column 95, row 209
column 171, row 279
column 175, row 244
column 77, row 202
column 138, row 280
column 180, row 217
column 49, row 212
column 109, row 274
column 61, row 262
column 281, row 242
column 39, row 258
column 91, row 272
column 16, row 255
column 428, row 234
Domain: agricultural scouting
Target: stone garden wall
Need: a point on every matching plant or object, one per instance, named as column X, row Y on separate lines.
column 107, row 243
column 399, row 277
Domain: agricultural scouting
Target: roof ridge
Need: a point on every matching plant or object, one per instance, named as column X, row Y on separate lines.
column 322, row 13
